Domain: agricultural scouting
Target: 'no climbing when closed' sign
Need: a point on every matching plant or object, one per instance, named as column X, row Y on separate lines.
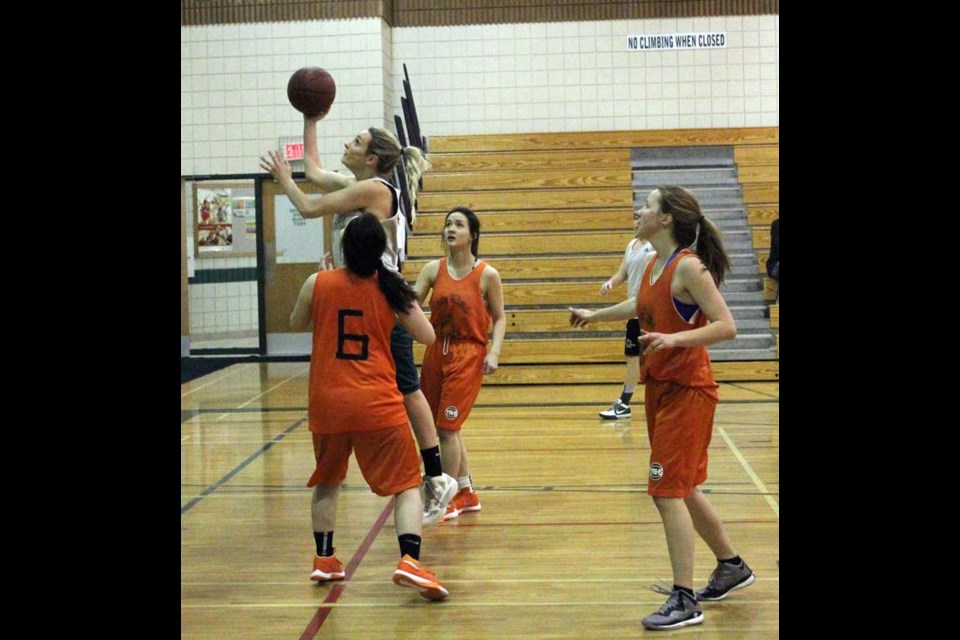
column 674, row 41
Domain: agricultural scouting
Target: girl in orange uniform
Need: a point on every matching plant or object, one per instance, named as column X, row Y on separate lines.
column 467, row 294
column 354, row 402
column 681, row 312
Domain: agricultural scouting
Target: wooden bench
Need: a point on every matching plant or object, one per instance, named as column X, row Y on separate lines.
column 484, row 201
column 559, row 243
column 592, row 159
column 534, row 268
column 534, row 221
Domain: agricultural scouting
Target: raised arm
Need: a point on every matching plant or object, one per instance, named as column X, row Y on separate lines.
column 494, row 293
column 301, row 319
column 328, row 181
column 358, row 195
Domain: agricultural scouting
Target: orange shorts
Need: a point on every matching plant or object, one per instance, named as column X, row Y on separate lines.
column 387, row 459
column 679, row 425
column 451, row 382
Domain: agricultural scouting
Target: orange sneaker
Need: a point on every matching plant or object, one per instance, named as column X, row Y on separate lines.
column 327, row 568
column 410, row 573
column 466, row 500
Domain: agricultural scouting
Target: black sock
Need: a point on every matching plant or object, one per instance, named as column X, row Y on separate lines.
column 625, row 397
column 324, row 540
column 687, row 591
column 410, row 545
column 735, row 561
column 431, row 461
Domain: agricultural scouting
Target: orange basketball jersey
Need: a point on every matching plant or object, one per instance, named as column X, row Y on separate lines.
column 657, row 313
column 457, row 309
column 352, row 374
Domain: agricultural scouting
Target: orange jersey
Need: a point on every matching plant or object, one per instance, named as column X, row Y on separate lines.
column 352, row 374
column 657, row 313
column 457, row 309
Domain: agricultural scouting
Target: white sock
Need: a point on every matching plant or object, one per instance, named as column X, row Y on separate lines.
column 464, row 482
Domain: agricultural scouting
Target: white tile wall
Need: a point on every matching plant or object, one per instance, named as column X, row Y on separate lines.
column 506, row 78
column 579, row 76
column 233, row 79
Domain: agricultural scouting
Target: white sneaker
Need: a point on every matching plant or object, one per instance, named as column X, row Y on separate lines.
column 617, row 411
column 438, row 491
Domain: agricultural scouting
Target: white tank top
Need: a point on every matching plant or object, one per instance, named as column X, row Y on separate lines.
column 395, row 227
column 634, row 256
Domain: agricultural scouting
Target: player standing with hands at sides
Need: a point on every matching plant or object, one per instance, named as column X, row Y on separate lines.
column 467, row 293
column 372, row 156
column 681, row 312
column 631, row 268
column 354, row 403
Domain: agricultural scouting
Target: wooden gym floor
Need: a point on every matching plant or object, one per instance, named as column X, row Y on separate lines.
column 568, row 544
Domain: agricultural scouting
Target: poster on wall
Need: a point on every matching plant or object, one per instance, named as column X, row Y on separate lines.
column 214, row 220
column 298, row 240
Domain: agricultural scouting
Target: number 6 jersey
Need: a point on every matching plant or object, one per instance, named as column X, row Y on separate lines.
column 352, row 374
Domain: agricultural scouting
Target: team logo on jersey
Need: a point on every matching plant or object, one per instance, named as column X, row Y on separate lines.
column 656, row 471
column 451, row 412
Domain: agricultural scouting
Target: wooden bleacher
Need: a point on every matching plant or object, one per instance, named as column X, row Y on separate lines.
column 556, row 212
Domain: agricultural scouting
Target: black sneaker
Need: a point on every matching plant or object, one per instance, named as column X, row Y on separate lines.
column 616, row 411
column 680, row 610
column 724, row 579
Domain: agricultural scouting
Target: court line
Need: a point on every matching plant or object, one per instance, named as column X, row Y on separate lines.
column 240, row 467
column 758, row 483
column 393, row 605
column 321, row 615
column 380, row 581
column 762, row 393
column 207, row 384
column 263, row 393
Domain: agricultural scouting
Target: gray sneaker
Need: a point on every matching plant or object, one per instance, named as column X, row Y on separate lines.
column 726, row 578
column 437, row 493
column 616, row 411
column 680, row 610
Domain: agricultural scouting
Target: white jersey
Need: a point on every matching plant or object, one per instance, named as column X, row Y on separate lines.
column 395, row 227
column 634, row 257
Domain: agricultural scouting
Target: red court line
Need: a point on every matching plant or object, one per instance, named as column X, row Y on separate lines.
column 318, row 618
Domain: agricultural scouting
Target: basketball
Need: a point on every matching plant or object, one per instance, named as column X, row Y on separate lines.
column 311, row 90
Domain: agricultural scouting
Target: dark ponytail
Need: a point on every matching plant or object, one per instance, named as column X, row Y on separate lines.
column 364, row 242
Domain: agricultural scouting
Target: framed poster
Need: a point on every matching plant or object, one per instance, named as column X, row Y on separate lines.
column 225, row 219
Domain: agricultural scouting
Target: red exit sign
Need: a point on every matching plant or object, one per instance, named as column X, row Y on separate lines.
column 293, row 151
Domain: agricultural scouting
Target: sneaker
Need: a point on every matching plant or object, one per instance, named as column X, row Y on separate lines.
column 327, row 568
column 680, row 610
column 465, row 501
column 438, row 491
column 616, row 411
column 410, row 573
column 724, row 579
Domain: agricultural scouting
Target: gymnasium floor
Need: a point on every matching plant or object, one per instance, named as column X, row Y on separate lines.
column 567, row 545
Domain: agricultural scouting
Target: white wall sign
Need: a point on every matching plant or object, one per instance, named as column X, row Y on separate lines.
column 298, row 240
column 673, row 41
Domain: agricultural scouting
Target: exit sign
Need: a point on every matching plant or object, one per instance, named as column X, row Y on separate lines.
column 293, row 151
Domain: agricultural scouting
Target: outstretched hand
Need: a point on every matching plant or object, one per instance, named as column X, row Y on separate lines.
column 581, row 317
column 276, row 165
